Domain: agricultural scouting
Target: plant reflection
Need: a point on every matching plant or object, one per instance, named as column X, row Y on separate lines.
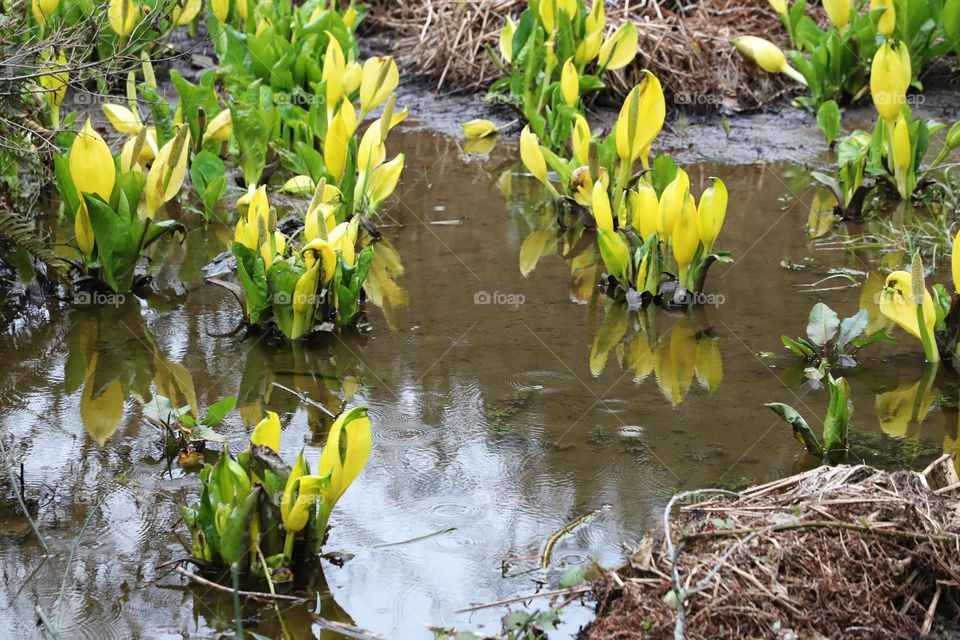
column 676, row 349
column 113, row 356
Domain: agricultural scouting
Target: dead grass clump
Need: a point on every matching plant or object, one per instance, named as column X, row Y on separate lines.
column 846, row 551
column 684, row 43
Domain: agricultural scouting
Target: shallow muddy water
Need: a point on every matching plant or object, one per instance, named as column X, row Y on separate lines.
column 504, row 408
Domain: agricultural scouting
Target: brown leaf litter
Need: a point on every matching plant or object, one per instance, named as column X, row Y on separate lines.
column 686, row 44
column 845, row 551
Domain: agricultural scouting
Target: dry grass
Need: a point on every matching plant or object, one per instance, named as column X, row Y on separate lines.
column 835, row 552
column 685, row 45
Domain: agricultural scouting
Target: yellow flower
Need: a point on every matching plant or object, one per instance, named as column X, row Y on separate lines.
column 570, row 83
column 532, row 156
column 889, row 79
column 596, row 18
column 43, row 9
column 220, row 128
column 640, row 119
column 168, row 171
column 780, row 6
column 122, row 15
column 91, row 164
column 615, row 253
column 299, row 185
column 506, row 40
column 122, row 119
column 83, row 229
column 686, row 237
column 304, row 302
column 352, row 78
column 54, row 82
column 589, row 47
column 241, row 9
column 476, row 129
column 711, row 212
column 220, row 8
column 645, row 209
column 334, row 68
column 955, row 262
column 896, row 302
column 335, row 144
column 267, row 432
column 185, row 15
column 902, row 154
column 672, row 201
column 384, row 180
column 343, row 238
column 319, row 251
column 619, row 49
column 767, row 55
column 379, row 79
column 838, row 12
column 548, row 15
column 580, row 140
column 888, row 19
column 601, row 207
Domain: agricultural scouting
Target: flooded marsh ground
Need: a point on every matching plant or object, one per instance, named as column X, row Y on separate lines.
column 508, row 398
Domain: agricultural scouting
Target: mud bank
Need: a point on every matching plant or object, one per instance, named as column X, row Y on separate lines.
column 779, row 132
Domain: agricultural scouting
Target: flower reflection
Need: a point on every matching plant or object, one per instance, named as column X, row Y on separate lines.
column 113, row 356
column 327, row 376
column 548, row 238
column 675, row 349
column 902, row 410
column 381, row 284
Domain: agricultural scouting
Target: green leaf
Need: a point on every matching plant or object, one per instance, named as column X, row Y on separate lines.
column 828, row 119
column 116, row 246
column 851, row 328
column 233, row 538
column 218, row 411
column 822, row 325
column 801, row 430
column 838, row 416
column 797, row 347
column 253, row 277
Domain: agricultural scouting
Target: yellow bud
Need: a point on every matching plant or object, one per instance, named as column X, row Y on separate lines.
column 672, row 201
column 84, row 230
column 580, row 141
column 902, row 155
column 186, row 14
column 334, row 68
column 506, row 40
column 645, row 210
column 838, row 11
column 780, row 6
column 711, row 212
column 122, row 15
column 601, row 207
column 888, row 19
column 531, row 155
column 686, row 237
column 889, row 79
column 570, row 83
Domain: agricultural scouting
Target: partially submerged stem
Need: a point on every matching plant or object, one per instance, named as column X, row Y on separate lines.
column 235, row 573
